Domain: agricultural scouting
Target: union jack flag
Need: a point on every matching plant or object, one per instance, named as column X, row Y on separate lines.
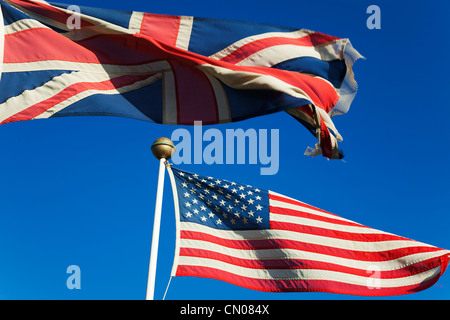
column 262, row 240
column 169, row 69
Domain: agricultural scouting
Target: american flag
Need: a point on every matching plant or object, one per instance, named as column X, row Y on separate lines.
column 169, row 69
column 265, row 241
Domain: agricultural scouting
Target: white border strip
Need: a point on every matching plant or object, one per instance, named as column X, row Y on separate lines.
column 2, row 42
column 177, row 221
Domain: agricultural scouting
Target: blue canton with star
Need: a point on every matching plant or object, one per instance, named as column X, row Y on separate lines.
column 221, row 204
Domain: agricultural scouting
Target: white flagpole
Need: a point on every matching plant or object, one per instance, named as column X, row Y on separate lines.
column 162, row 149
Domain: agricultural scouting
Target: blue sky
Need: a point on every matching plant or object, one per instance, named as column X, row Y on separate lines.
column 81, row 191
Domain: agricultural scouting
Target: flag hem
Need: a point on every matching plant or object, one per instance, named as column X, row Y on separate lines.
column 177, row 221
column 2, row 42
column 349, row 86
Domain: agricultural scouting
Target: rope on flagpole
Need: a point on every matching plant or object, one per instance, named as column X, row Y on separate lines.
column 167, row 288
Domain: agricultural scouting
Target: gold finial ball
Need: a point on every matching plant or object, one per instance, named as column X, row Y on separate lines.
column 163, row 148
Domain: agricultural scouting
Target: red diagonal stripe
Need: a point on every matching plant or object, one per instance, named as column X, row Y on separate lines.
column 70, row 91
column 248, row 49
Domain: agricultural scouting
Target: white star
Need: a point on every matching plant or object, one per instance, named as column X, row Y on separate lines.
column 194, row 201
column 226, row 185
column 195, row 176
column 250, row 213
column 249, row 192
column 230, row 208
column 207, row 191
column 214, row 196
column 220, row 191
column 188, row 214
column 241, row 188
column 218, row 181
column 242, row 196
column 236, row 214
column 193, row 190
column 198, row 184
column 184, row 184
column 181, row 174
column 258, row 207
column 187, row 195
column 250, row 201
column 258, row 198
column 203, row 208
column 233, row 183
column 210, row 178
column 256, row 190
column 211, row 185
column 203, row 180
column 203, row 219
column 244, row 207
column 200, row 196
column 219, row 221
column 222, row 202
column 228, row 196
column 211, row 215
column 195, row 211
column 187, row 204
column 234, row 190
column 259, row 219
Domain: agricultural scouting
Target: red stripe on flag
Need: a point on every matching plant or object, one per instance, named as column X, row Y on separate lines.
column 308, row 285
column 352, row 236
column 195, row 95
column 107, row 49
column 277, row 197
column 52, row 46
column 161, row 27
column 308, row 215
column 325, row 139
column 248, row 49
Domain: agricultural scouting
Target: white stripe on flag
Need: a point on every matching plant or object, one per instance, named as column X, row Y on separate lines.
column 184, row 32
column 135, row 23
column 94, row 68
column 287, row 253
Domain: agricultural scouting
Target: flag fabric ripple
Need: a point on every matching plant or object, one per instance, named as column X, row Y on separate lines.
column 265, row 241
column 166, row 69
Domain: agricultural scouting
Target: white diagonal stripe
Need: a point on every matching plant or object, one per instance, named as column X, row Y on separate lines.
column 184, row 32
